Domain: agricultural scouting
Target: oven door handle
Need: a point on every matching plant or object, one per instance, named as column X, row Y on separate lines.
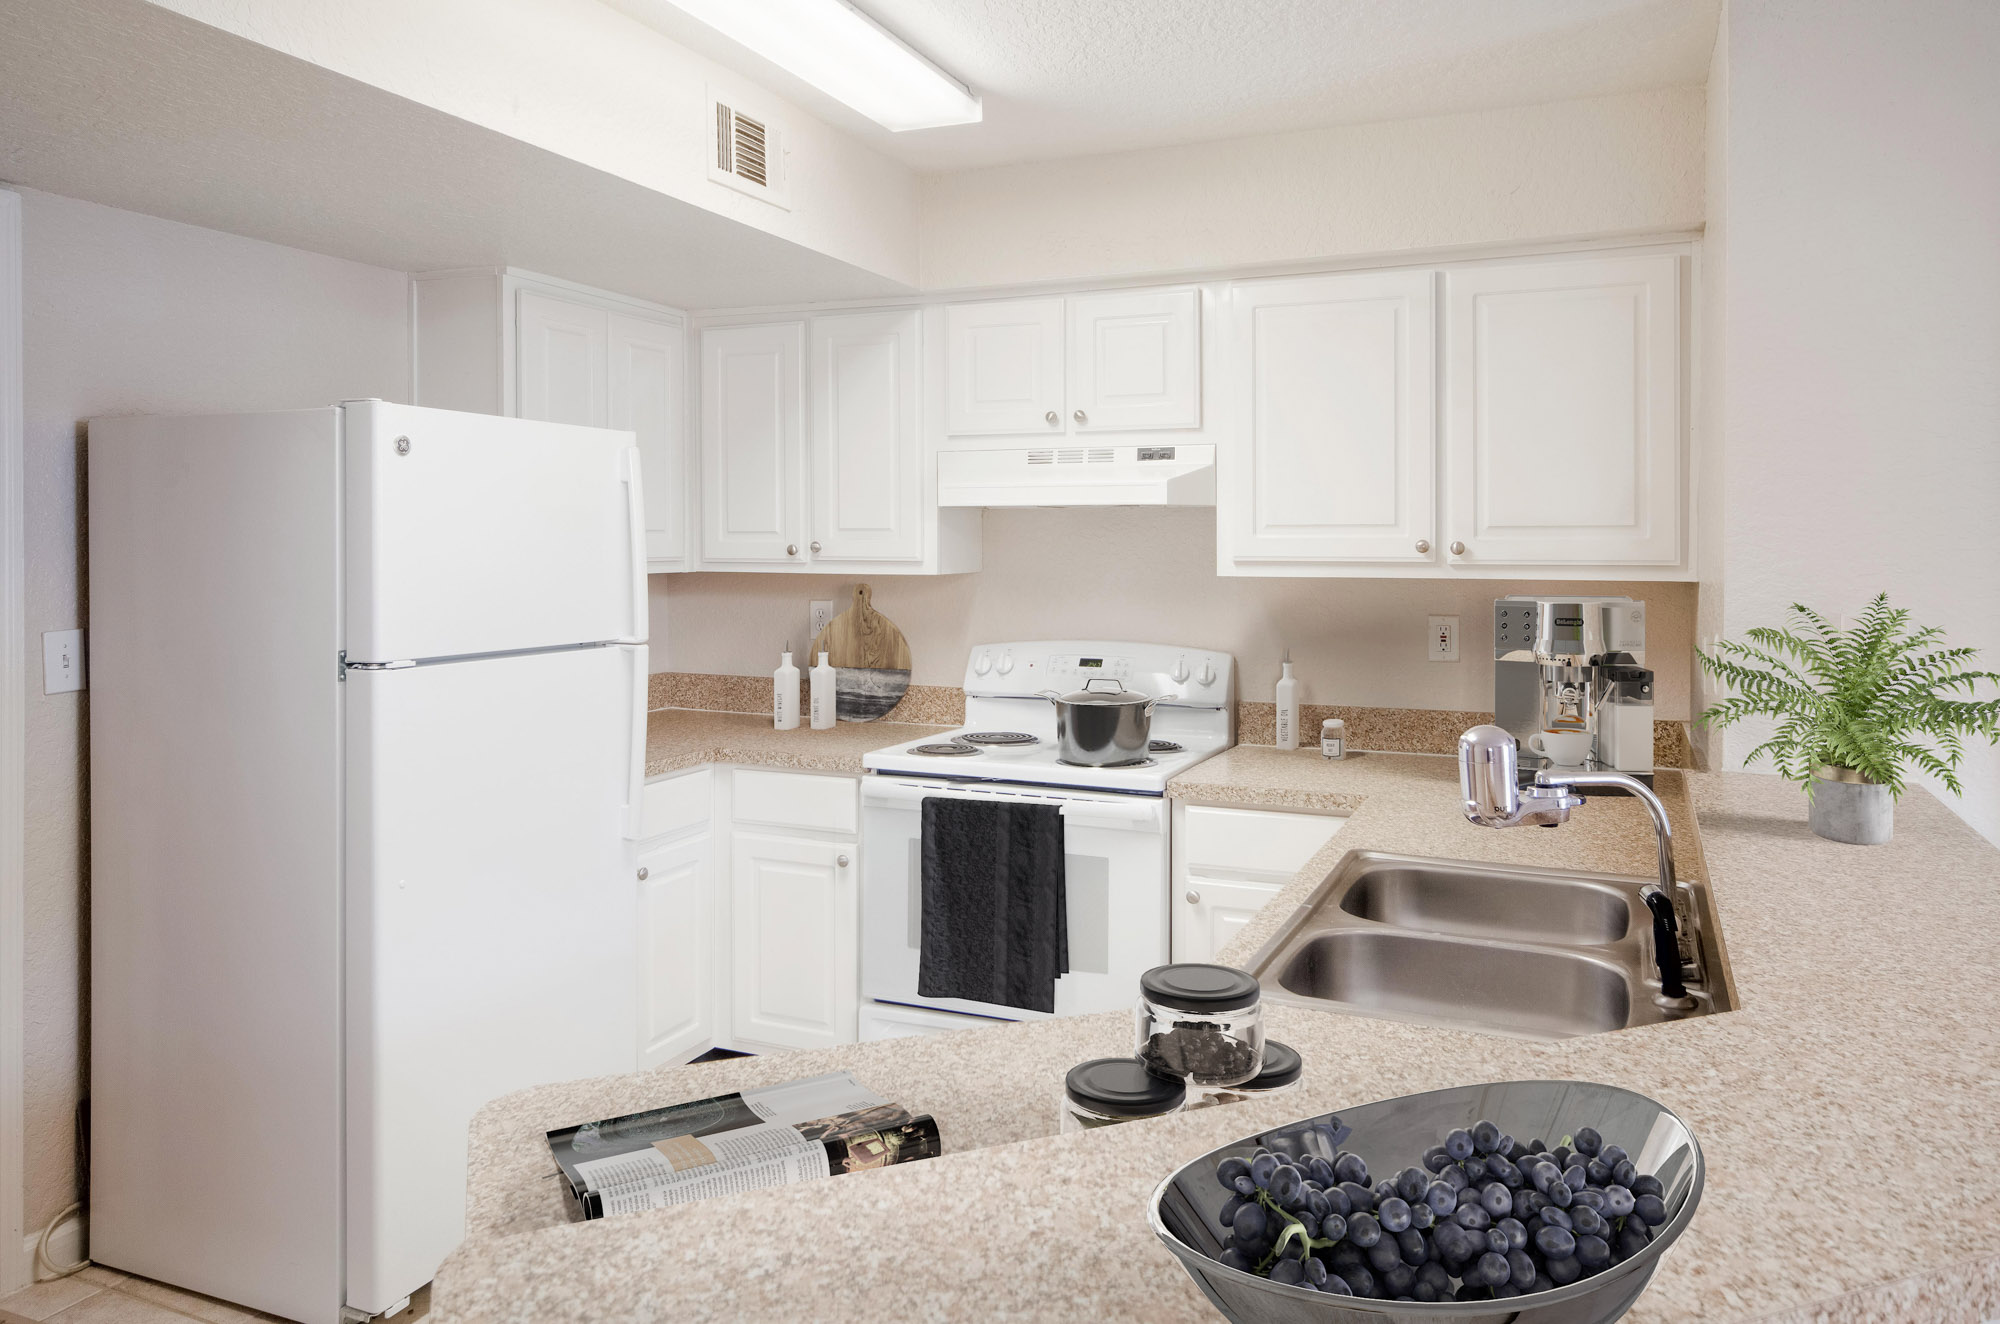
column 1141, row 812
column 1096, row 813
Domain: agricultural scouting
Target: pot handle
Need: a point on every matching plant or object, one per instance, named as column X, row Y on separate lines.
column 1117, row 687
column 1054, row 696
column 1158, row 699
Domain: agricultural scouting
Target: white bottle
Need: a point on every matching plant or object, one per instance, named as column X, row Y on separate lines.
column 785, row 695
column 1288, row 707
column 822, row 693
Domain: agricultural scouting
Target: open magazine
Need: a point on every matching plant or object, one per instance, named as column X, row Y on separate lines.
column 774, row 1136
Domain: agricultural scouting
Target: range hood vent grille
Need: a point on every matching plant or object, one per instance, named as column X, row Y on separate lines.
column 1173, row 475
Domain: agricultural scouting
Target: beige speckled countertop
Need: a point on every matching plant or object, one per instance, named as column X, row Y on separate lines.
column 679, row 738
column 1867, row 1048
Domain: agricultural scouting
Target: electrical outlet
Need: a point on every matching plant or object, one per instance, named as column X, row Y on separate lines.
column 62, row 661
column 1443, row 638
column 822, row 616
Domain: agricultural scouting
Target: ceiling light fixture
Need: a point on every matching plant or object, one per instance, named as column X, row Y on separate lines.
column 845, row 54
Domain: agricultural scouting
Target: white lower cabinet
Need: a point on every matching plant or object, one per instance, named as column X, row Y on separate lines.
column 677, row 967
column 796, row 945
column 1209, row 913
column 1228, row 863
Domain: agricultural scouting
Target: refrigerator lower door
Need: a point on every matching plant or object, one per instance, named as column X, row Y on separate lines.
column 491, row 935
column 469, row 533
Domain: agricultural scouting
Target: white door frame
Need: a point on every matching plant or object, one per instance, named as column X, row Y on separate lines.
column 14, row 1267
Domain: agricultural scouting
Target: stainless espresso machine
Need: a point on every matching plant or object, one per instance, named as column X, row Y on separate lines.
column 1570, row 681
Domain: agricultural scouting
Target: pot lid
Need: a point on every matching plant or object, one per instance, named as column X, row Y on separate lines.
column 1114, row 695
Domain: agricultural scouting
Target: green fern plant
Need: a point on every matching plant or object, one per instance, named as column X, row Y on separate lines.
column 1864, row 699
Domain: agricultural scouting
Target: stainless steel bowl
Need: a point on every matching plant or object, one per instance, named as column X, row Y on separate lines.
column 1392, row 1135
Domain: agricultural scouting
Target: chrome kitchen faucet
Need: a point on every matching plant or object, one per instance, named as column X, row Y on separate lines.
column 1489, row 778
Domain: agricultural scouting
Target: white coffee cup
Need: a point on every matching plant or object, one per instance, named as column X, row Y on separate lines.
column 1566, row 749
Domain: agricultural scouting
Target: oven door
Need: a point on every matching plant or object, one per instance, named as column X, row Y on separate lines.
column 1115, row 855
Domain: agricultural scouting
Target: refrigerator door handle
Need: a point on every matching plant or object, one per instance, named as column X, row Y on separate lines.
column 635, row 766
column 635, row 524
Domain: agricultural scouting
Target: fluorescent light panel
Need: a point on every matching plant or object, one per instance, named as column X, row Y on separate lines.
column 845, row 54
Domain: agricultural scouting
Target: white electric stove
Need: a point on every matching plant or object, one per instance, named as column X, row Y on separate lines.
column 1115, row 819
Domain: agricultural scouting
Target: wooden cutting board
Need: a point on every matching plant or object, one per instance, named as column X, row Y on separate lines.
column 870, row 660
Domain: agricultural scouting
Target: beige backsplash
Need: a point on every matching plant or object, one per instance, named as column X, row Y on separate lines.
column 1389, row 730
column 1149, row 574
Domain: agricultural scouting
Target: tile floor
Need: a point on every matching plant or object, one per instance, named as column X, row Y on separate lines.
column 105, row 1296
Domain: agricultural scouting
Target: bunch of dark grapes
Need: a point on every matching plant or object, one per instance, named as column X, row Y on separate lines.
column 1484, row 1217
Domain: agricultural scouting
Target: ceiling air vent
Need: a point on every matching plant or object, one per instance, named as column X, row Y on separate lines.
column 747, row 152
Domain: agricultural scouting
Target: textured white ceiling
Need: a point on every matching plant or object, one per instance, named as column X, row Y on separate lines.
column 1075, row 77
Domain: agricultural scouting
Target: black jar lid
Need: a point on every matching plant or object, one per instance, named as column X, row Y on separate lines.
column 1194, row 987
column 1282, row 1066
column 1122, row 1087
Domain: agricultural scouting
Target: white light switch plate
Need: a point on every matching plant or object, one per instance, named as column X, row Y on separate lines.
column 62, row 661
column 1443, row 637
column 822, row 617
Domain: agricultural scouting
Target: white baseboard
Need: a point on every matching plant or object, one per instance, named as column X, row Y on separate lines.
column 65, row 1246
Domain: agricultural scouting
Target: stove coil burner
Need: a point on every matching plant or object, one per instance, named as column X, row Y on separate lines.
column 1128, row 763
column 1164, row 746
column 943, row 749
column 999, row 739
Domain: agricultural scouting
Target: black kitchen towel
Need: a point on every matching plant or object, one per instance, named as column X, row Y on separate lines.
column 995, row 909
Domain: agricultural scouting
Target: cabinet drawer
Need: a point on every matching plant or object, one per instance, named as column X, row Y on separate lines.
column 674, row 804
column 796, row 800
column 1250, row 841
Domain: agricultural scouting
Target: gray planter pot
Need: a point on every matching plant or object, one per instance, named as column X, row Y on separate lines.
column 1846, row 808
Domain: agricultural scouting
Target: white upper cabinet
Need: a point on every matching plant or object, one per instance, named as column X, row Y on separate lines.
column 506, row 342
column 561, row 355
column 1333, row 450
column 1135, row 360
column 867, row 462
column 752, row 441
column 647, row 396
column 1005, row 367
column 1118, row 361
column 1563, row 412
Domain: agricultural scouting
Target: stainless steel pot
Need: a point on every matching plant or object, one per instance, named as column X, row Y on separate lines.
column 1102, row 727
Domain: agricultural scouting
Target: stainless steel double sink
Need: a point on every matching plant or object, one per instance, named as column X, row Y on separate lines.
column 1532, row 953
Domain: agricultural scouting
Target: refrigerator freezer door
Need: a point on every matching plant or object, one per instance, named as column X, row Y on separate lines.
column 469, row 534
column 491, row 935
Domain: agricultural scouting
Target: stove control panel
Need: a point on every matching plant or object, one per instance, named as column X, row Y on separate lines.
column 1191, row 677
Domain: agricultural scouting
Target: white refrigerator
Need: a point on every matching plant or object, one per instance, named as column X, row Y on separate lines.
column 367, row 736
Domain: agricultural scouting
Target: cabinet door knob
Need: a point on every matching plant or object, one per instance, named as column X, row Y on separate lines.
column 1458, row 549
column 1193, row 897
column 642, row 873
column 1053, row 417
column 815, row 548
column 840, row 860
column 1423, row 545
column 1078, row 416
column 791, row 549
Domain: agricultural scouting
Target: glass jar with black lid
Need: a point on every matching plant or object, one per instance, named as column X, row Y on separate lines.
column 1201, row 1023
column 1282, row 1073
column 1108, row 1090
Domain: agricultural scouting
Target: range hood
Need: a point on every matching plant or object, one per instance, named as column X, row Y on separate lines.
column 1170, row 475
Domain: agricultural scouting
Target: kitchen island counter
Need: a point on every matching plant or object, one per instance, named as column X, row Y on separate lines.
column 1862, row 1054
column 678, row 738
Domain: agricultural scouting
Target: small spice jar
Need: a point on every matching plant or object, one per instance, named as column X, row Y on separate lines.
column 1284, row 1071
column 1108, row 1090
column 1203, row 1023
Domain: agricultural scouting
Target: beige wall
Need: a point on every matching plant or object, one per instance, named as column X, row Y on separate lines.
column 1603, row 166
column 1149, row 575
column 125, row 314
column 1861, row 445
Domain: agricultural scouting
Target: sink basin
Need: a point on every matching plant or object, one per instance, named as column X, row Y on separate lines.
column 1436, row 980
column 1530, row 953
column 1469, row 899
